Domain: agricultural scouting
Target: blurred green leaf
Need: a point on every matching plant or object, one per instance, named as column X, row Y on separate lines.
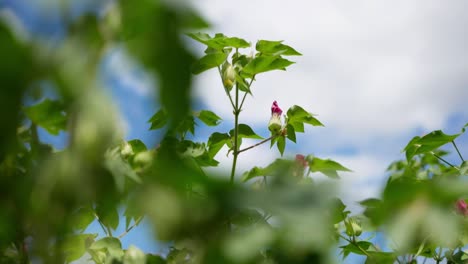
column 266, row 63
column 208, row 61
column 380, row 258
column 275, row 48
column 464, row 168
column 209, row 118
column 137, row 145
column 134, row 255
column 158, row 120
column 49, row 114
column 108, row 215
column 82, row 218
column 110, row 244
column 74, row 246
column 154, row 259
column 278, row 167
column 328, row 167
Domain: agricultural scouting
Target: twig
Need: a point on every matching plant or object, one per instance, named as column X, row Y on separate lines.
column 131, row 227
column 106, row 230
column 458, row 151
column 258, row 144
column 443, row 160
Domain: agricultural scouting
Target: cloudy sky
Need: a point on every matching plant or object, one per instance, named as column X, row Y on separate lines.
column 376, row 73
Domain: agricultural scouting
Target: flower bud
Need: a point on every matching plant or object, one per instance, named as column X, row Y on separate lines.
column 126, row 150
column 275, row 123
column 229, row 76
column 353, row 228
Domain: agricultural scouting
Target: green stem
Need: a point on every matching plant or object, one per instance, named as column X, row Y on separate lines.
column 443, row 160
column 258, row 144
column 245, row 94
column 458, row 151
column 106, row 230
column 131, row 227
column 236, row 134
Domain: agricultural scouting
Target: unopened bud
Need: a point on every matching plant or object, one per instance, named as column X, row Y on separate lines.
column 353, row 228
column 229, row 76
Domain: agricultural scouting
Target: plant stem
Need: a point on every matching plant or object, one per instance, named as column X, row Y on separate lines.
column 131, row 227
column 443, row 160
column 258, row 144
column 458, row 151
column 236, row 132
column 106, row 230
column 245, row 94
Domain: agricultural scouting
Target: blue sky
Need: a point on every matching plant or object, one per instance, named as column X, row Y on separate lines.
column 376, row 73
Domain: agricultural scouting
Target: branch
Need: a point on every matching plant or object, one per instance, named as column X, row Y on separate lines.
column 131, row 227
column 458, row 151
column 258, row 144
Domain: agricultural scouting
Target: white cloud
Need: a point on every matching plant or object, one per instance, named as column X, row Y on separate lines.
column 130, row 76
column 368, row 66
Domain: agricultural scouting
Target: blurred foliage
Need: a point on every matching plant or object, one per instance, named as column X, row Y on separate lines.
column 49, row 197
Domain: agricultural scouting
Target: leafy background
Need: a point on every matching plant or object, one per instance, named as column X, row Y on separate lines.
column 376, row 73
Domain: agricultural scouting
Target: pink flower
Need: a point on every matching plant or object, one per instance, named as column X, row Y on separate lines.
column 275, row 109
column 275, row 123
column 462, row 207
column 300, row 159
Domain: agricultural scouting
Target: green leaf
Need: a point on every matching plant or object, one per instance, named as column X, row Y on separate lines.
column 464, row 168
column 111, row 244
column 219, row 41
column 297, row 114
column 82, row 218
column 327, row 167
column 158, row 120
column 119, row 168
column 278, row 167
column 108, row 215
column 291, row 133
column 154, row 259
column 186, row 125
column 275, row 48
column 137, row 145
column 352, row 248
column 281, row 144
column 208, row 61
column 244, row 131
column 428, row 143
column 74, row 247
column 209, row 118
column 266, row 63
column 216, row 142
column 49, row 115
column 134, row 255
column 338, row 211
column 380, row 258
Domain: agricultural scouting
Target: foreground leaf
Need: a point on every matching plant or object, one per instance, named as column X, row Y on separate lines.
column 49, row 115
column 326, row 166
